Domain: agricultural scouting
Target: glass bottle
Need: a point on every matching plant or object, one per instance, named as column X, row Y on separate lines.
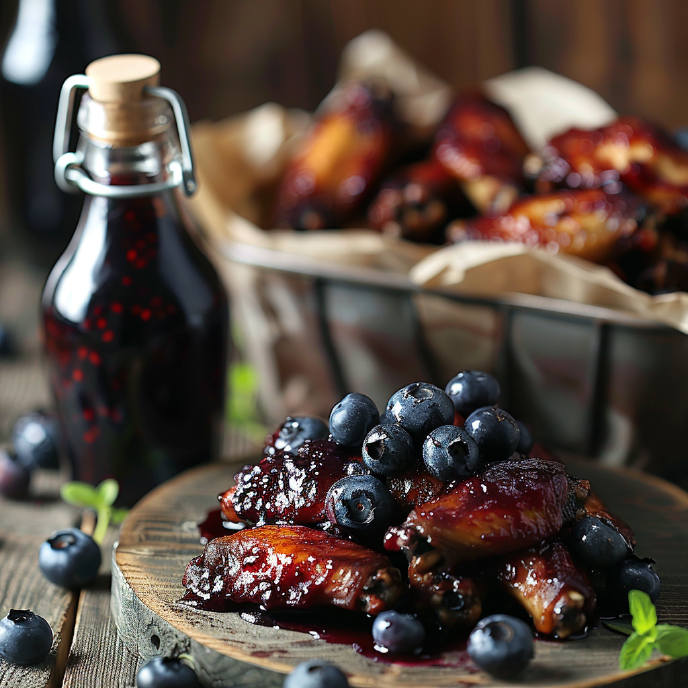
column 135, row 315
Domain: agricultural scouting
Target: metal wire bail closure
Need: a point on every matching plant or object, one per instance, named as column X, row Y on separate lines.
column 71, row 177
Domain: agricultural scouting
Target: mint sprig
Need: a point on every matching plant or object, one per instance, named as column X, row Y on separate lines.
column 648, row 635
column 100, row 499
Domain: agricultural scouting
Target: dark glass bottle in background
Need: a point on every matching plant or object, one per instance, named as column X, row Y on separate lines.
column 136, row 318
column 50, row 40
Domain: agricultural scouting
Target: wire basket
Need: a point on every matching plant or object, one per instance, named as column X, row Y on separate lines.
column 588, row 380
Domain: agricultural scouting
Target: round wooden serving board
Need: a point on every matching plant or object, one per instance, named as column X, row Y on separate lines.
column 159, row 537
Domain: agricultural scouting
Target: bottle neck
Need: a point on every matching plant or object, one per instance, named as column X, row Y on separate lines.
column 146, row 163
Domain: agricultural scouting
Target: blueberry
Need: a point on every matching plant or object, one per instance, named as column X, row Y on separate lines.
column 69, row 558
column 25, row 637
column 501, row 645
column 296, row 430
column 14, row 477
column 388, row 450
column 316, row 674
column 631, row 574
column 494, row 431
column 352, row 419
column 525, row 439
column 471, row 390
column 166, row 672
column 420, row 408
column 36, row 440
column 361, row 504
column 450, row 453
column 398, row 633
column 596, row 544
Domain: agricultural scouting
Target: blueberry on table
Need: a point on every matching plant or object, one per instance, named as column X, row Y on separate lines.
column 420, row 408
column 352, row 419
column 69, row 558
column 631, row 574
column 471, row 390
column 36, row 440
column 450, row 453
column 525, row 439
column 398, row 633
column 494, row 431
column 597, row 544
column 14, row 477
column 360, row 504
column 501, row 645
column 388, row 450
column 25, row 637
column 166, row 672
column 297, row 429
column 316, row 674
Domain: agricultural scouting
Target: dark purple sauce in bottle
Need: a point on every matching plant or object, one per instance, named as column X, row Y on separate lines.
column 136, row 332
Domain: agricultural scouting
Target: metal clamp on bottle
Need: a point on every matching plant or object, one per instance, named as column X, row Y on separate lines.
column 72, row 178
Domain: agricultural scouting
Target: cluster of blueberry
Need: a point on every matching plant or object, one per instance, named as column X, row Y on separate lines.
column 36, row 439
column 419, row 424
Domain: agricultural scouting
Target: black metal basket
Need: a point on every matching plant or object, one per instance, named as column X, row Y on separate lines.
column 588, row 380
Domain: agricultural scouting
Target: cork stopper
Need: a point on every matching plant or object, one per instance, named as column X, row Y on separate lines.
column 115, row 110
column 122, row 78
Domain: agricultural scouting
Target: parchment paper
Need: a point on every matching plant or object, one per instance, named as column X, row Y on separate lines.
column 240, row 161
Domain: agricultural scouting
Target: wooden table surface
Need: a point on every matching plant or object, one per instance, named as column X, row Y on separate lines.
column 87, row 652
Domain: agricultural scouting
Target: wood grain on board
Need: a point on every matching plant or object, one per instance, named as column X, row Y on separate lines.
column 160, row 537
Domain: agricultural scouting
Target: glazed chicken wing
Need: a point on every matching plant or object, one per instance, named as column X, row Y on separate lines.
column 288, row 488
column 511, row 506
column 445, row 594
column 479, row 144
column 415, row 487
column 552, row 589
column 417, row 201
column 286, row 567
column 639, row 154
column 340, row 157
column 586, row 223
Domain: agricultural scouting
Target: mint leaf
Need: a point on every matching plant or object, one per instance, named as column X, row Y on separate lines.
column 643, row 611
column 672, row 640
column 107, row 492
column 80, row 494
column 635, row 651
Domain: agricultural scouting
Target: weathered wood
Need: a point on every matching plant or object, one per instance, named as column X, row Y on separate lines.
column 23, row 526
column 160, row 537
column 97, row 657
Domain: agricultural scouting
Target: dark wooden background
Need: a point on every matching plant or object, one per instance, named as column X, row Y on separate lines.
column 225, row 56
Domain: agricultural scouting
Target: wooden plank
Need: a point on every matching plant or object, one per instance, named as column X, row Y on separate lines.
column 631, row 52
column 159, row 538
column 462, row 42
column 97, row 656
column 24, row 525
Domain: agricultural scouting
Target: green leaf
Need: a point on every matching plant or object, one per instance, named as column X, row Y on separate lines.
column 635, row 651
column 643, row 611
column 80, row 494
column 118, row 515
column 107, row 492
column 672, row 640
